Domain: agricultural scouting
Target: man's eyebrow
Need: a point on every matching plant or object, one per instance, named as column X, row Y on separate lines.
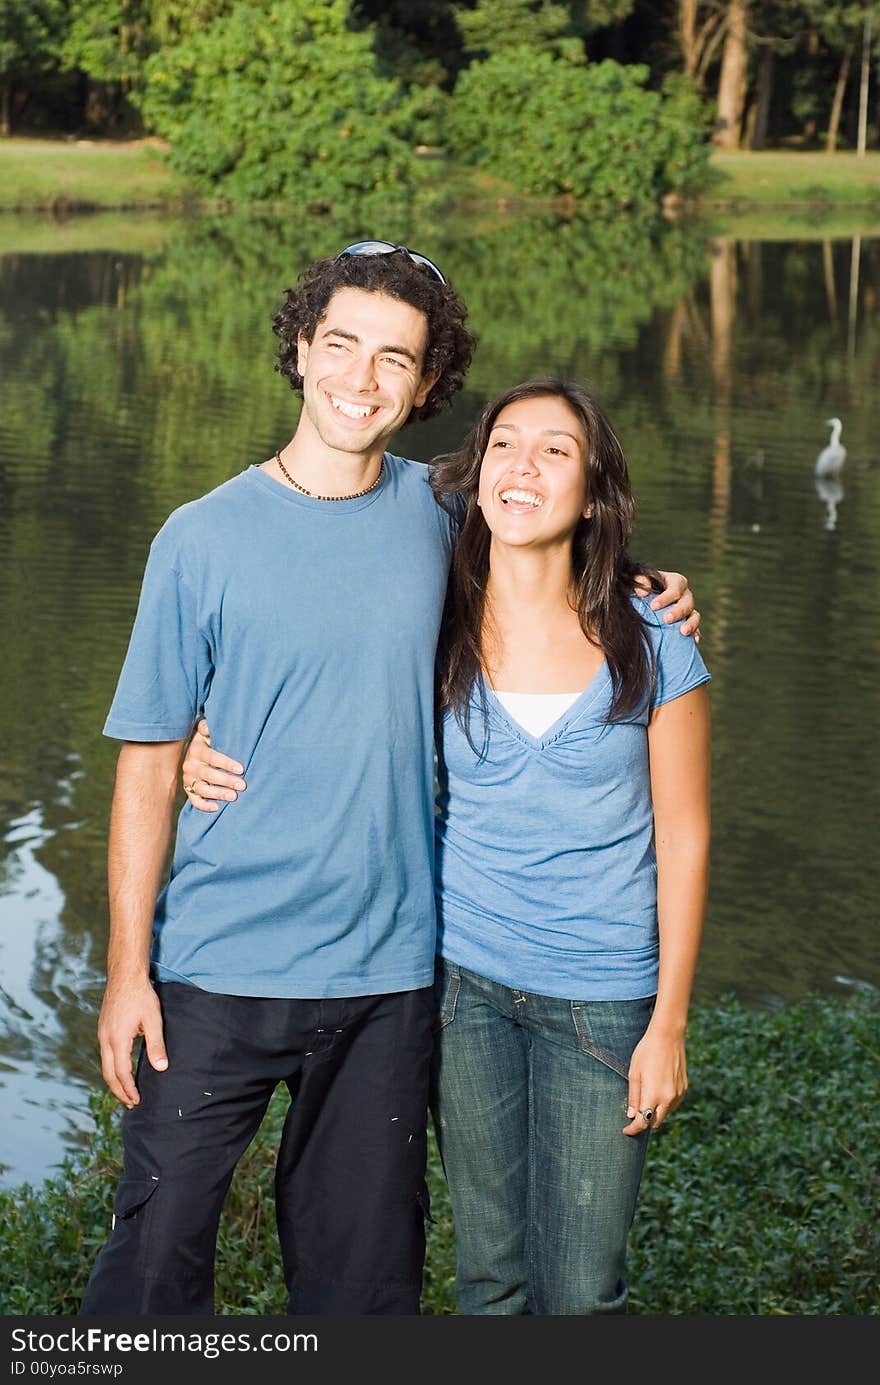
column 545, row 432
column 392, row 349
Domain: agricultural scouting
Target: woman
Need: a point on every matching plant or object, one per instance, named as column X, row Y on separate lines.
column 572, row 858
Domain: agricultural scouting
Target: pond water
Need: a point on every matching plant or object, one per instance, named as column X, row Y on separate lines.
column 137, row 375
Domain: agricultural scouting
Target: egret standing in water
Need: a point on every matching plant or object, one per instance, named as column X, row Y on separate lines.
column 831, row 458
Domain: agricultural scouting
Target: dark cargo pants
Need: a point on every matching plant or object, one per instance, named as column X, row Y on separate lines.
column 350, row 1177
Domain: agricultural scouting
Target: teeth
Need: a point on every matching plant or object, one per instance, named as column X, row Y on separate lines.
column 523, row 498
column 352, row 410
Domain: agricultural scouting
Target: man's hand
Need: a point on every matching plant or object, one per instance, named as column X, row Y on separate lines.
column 678, row 597
column 129, row 1008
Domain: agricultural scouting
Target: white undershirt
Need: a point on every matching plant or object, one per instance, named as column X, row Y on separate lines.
column 536, row 712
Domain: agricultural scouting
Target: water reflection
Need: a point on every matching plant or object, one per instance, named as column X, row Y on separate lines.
column 133, row 382
column 830, row 491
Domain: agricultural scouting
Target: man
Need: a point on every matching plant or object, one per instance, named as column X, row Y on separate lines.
column 298, row 605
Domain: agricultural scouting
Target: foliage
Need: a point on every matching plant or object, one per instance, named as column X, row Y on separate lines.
column 108, row 39
column 756, row 1192
column 488, row 27
column 28, row 38
column 284, row 101
column 753, row 1201
column 27, row 34
column 416, row 40
column 593, row 130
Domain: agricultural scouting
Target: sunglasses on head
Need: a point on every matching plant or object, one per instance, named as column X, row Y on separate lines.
column 385, row 247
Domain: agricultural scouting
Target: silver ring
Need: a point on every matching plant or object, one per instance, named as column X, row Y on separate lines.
column 647, row 1114
column 190, row 788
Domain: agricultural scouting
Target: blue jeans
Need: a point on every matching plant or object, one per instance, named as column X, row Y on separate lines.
column 529, row 1100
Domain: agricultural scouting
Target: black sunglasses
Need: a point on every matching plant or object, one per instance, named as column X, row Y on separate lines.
column 385, row 247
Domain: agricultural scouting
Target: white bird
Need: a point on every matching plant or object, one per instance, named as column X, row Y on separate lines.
column 831, row 458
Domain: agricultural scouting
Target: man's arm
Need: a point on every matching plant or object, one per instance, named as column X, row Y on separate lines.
column 140, row 834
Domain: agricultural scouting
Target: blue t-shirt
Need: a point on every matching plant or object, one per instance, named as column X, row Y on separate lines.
column 546, row 873
column 306, row 630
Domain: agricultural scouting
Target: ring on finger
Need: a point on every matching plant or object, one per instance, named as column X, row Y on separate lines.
column 648, row 1114
column 190, row 788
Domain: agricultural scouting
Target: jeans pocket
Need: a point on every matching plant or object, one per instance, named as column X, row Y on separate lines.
column 446, row 989
column 610, row 1029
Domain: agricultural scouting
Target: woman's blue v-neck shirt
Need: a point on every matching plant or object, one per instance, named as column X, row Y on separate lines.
column 546, row 872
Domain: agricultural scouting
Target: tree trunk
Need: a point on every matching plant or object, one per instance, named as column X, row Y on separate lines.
column 98, row 106
column 863, row 88
column 837, row 103
column 754, row 253
column 672, row 351
column 722, row 299
column 732, row 82
column 853, row 298
column 687, row 34
column 763, row 96
column 830, row 283
column 5, row 108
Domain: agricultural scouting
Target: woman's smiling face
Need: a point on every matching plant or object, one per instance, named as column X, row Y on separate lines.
column 533, row 478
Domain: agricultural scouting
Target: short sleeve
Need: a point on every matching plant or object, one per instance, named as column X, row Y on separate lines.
column 679, row 665
column 168, row 667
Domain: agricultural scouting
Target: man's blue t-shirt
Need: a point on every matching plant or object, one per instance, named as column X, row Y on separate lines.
column 306, row 630
column 546, row 872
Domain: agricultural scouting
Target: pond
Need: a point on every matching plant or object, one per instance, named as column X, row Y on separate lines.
column 136, row 361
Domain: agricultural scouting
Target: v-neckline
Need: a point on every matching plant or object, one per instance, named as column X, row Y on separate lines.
column 555, row 730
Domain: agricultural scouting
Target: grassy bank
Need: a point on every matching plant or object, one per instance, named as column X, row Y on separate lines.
column 756, row 1198
column 59, row 175
column 780, row 179
column 136, row 232
column 85, row 175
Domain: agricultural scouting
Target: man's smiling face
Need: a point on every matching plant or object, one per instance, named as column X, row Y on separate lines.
column 363, row 370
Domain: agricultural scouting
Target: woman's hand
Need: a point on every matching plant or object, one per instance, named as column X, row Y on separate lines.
column 678, row 597
column 657, row 1080
column 210, row 778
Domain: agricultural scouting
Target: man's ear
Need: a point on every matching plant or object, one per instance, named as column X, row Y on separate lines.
column 302, row 354
column 424, row 389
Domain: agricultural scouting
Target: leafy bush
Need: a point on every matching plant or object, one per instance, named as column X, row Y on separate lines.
column 283, row 101
column 756, row 1196
column 555, row 126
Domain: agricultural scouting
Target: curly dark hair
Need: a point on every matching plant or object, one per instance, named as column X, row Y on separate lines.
column 450, row 345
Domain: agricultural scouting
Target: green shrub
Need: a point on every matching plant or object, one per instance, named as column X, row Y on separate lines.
column 756, row 1198
column 555, row 126
column 283, row 101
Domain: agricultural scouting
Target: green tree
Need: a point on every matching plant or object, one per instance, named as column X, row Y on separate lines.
column 590, row 130
column 416, row 40
column 845, row 28
column 285, row 101
column 494, row 26
column 491, row 26
column 107, row 40
column 29, row 34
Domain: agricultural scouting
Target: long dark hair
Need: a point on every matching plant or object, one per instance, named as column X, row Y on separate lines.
column 602, row 570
